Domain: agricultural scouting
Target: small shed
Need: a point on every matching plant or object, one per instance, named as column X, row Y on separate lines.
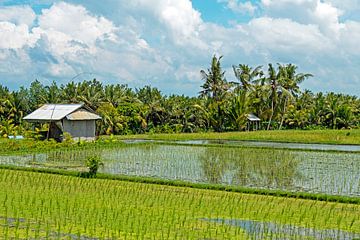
column 75, row 119
column 253, row 122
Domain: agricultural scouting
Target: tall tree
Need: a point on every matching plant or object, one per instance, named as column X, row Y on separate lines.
column 273, row 86
column 246, row 76
column 289, row 81
column 215, row 86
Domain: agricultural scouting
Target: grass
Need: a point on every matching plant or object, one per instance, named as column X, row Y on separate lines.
column 39, row 205
column 351, row 137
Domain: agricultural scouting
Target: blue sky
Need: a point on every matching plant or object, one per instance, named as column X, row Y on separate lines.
column 166, row 43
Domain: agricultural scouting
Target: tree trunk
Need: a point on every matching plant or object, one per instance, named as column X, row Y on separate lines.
column 283, row 114
column 272, row 114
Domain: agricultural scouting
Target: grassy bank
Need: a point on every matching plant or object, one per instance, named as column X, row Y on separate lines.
column 36, row 205
column 292, row 136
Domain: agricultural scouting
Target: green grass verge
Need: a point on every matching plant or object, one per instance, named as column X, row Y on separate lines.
column 35, row 205
column 351, row 137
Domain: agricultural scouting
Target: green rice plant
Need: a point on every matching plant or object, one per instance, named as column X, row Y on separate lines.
column 296, row 136
column 39, row 205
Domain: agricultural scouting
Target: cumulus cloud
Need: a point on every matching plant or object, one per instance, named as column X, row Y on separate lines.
column 15, row 36
column 287, row 35
column 322, row 14
column 14, row 27
column 17, row 14
column 76, row 22
column 179, row 22
column 166, row 43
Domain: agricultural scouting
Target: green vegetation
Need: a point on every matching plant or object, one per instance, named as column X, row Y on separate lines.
column 35, row 205
column 179, row 183
column 61, row 191
column 295, row 136
column 93, row 163
column 230, row 166
column 272, row 94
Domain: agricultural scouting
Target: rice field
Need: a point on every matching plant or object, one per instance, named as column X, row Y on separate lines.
column 45, row 206
column 333, row 173
column 326, row 136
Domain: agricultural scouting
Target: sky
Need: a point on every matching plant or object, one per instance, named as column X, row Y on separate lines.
column 165, row 43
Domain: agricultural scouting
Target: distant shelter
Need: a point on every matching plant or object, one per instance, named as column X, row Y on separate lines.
column 253, row 122
column 75, row 119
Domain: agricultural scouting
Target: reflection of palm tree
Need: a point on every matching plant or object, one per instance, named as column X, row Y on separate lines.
column 250, row 167
column 213, row 164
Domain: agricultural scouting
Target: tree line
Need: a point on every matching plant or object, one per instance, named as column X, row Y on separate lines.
column 273, row 94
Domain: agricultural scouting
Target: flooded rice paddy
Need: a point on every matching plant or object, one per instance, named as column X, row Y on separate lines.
column 277, row 145
column 335, row 173
column 269, row 230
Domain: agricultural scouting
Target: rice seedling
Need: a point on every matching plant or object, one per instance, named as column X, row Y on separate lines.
column 332, row 173
column 295, row 136
column 38, row 205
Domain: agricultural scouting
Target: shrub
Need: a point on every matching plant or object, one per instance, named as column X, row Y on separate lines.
column 93, row 164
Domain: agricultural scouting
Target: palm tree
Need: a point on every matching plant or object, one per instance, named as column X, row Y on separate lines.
column 91, row 93
column 69, row 92
column 152, row 99
column 246, row 76
column 289, row 81
column 273, row 87
column 53, row 93
column 238, row 110
column 116, row 94
column 215, row 86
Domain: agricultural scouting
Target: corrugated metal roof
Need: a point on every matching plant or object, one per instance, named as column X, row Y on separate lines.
column 252, row 117
column 53, row 112
column 82, row 114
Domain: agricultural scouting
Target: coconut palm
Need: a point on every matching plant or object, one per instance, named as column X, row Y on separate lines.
column 246, row 76
column 215, row 86
column 273, row 89
column 239, row 109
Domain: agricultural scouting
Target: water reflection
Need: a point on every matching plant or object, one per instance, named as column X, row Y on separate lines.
column 318, row 172
column 250, row 167
column 263, row 230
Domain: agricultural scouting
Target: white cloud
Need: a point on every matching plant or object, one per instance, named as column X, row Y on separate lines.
column 14, row 27
column 240, row 7
column 15, row 36
column 166, row 43
column 346, row 5
column 179, row 19
column 316, row 12
column 71, row 35
column 350, row 36
column 77, row 23
column 17, row 14
column 286, row 35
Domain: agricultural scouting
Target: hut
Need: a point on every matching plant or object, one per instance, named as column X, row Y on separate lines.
column 75, row 119
column 253, row 122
